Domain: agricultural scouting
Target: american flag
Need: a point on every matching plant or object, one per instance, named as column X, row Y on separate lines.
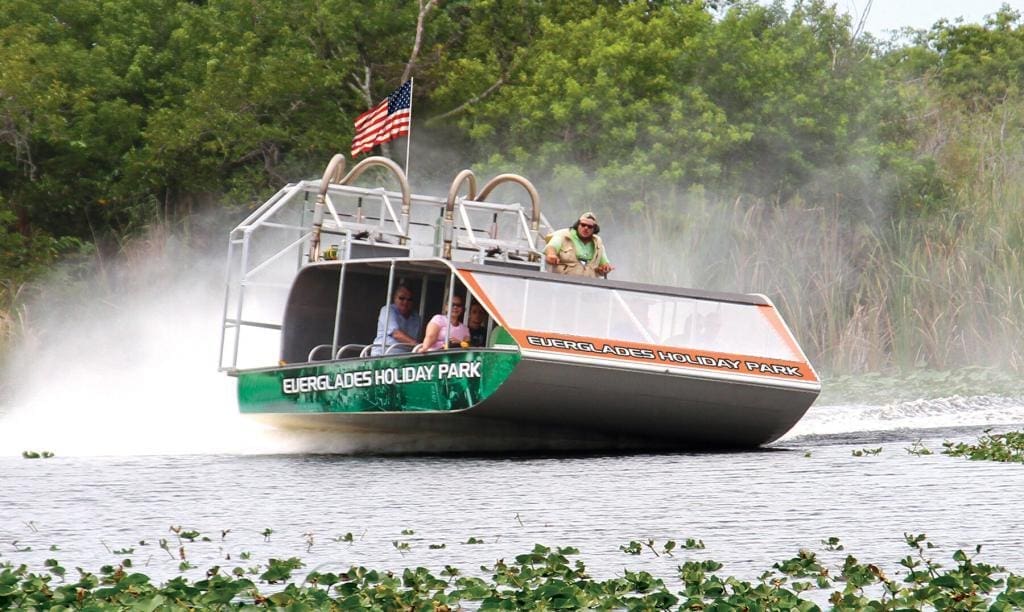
column 384, row 122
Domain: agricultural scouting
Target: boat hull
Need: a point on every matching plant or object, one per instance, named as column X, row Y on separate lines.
column 524, row 403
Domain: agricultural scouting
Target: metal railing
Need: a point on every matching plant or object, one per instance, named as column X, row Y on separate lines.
column 332, row 219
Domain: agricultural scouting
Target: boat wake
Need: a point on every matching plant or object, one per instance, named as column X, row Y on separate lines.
column 912, row 419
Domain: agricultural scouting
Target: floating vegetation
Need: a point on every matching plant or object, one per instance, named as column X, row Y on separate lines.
column 188, row 534
column 1007, row 447
column 401, row 547
column 918, row 448
column 867, row 452
column 36, row 454
column 635, row 548
column 544, row 578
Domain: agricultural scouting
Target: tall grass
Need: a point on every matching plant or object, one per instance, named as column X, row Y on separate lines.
column 12, row 317
column 939, row 288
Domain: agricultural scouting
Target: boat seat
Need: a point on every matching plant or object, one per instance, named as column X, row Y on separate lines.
column 400, row 347
column 318, row 348
column 350, row 350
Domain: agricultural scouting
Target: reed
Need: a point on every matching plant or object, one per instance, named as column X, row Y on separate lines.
column 936, row 287
column 940, row 292
column 13, row 320
column 127, row 264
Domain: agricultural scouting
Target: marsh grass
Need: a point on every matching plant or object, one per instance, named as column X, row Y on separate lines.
column 926, row 286
column 942, row 291
column 12, row 317
column 85, row 281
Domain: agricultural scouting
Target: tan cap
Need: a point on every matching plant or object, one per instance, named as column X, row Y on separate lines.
column 588, row 216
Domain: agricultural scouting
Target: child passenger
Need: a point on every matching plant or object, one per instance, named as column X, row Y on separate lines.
column 477, row 325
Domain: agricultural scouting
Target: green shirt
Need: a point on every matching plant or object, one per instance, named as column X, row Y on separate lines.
column 584, row 250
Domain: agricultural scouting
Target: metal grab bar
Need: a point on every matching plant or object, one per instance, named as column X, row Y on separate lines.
column 390, row 350
column 350, row 348
column 319, row 348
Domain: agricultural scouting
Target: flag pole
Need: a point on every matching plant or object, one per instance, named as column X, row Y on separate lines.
column 408, row 137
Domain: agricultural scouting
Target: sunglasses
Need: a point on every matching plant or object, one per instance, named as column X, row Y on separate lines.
column 458, row 305
column 588, row 225
column 404, row 299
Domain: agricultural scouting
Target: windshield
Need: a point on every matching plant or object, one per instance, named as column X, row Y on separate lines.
column 638, row 317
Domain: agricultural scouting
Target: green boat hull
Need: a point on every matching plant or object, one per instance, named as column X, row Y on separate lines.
column 444, row 381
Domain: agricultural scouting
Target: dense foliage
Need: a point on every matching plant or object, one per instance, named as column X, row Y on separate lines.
column 871, row 188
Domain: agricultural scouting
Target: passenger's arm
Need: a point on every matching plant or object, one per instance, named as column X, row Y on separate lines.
column 430, row 337
column 551, row 256
column 401, row 336
column 604, row 266
column 551, row 249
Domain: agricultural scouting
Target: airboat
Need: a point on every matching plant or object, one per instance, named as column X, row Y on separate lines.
column 568, row 363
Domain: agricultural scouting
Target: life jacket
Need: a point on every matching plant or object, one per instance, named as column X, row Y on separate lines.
column 570, row 263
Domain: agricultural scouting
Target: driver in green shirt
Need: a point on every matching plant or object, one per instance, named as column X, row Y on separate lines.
column 578, row 250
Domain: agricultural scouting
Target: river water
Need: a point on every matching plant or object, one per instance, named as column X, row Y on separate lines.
column 118, row 486
column 147, row 440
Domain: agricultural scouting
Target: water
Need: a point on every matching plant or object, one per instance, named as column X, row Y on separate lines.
column 750, row 509
column 147, row 438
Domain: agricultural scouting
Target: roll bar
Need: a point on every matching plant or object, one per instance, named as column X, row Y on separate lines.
column 449, row 209
column 333, row 174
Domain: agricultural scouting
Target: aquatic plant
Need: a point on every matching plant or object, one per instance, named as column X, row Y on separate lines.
column 918, row 448
column 36, row 454
column 866, row 452
column 544, row 578
column 402, row 547
column 1007, row 447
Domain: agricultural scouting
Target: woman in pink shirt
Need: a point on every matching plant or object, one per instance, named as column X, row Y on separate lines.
column 441, row 327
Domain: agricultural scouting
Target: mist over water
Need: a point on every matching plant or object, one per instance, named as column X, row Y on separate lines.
column 124, row 371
